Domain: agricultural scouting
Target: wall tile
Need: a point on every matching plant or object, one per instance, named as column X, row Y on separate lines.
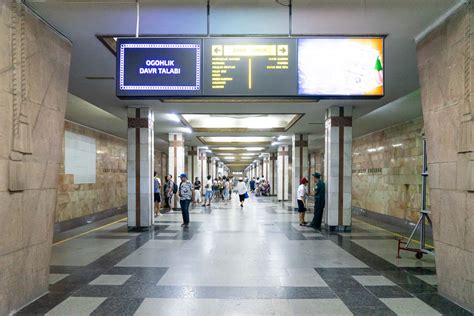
column 110, row 188
column 386, row 169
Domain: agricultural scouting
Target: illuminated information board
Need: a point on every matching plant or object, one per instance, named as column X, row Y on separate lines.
column 158, row 67
column 309, row 67
column 337, row 67
column 253, row 66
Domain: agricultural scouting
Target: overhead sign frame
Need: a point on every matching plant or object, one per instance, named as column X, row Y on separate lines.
column 196, row 92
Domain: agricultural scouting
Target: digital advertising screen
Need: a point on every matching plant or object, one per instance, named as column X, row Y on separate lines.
column 249, row 67
column 341, row 67
column 158, row 67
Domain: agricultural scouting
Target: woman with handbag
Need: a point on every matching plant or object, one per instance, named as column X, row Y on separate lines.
column 242, row 191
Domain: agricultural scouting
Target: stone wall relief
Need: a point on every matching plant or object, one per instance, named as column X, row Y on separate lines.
column 21, row 144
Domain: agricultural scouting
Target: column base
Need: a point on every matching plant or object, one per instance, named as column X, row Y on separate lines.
column 344, row 229
column 138, row 228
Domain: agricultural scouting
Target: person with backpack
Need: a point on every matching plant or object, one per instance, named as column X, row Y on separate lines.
column 157, row 195
column 185, row 193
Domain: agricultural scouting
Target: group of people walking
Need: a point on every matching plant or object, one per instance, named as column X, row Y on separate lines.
column 220, row 189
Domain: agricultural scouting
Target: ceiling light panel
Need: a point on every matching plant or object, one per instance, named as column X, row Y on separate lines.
column 207, row 122
column 236, row 140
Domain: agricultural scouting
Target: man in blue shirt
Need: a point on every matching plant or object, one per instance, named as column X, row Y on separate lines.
column 185, row 197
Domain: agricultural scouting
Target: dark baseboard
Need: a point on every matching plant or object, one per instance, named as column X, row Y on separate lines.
column 88, row 219
column 391, row 223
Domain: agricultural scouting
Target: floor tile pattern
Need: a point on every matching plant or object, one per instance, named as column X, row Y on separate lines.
column 232, row 261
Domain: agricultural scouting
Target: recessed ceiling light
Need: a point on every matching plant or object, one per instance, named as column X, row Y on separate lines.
column 188, row 130
column 236, row 139
column 254, row 148
column 173, row 117
column 241, row 121
column 248, row 154
column 226, row 148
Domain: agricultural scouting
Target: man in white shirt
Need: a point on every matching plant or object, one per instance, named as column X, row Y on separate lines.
column 208, row 190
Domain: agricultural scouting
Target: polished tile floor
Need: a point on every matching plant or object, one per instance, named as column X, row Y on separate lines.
column 232, row 261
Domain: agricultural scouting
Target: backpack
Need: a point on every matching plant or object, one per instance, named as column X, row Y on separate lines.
column 175, row 188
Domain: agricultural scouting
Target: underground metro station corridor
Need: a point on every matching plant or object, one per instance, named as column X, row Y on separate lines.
column 116, row 115
column 233, row 261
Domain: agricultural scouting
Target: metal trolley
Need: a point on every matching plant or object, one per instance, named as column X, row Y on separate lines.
column 424, row 217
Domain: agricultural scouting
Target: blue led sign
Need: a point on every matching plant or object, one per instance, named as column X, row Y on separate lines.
column 158, row 67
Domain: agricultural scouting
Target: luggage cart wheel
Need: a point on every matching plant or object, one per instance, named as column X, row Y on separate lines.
column 419, row 255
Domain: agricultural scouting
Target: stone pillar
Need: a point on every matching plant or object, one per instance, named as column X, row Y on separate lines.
column 202, row 166
column 209, row 166
column 312, row 169
column 176, row 160
column 214, row 161
column 272, row 175
column 192, row 161
column 282, row 174
column 266, row 165
column 338, row 161
column 220, row 169
column 316, row 165
column 34, row 63
column 226, row 171
column 299, row 163
column 140, row 167
column 445, row 63
column 258, row 168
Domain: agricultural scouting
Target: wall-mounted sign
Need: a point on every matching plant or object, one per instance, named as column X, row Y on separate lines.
column 158, row 67
column 321, row 67
column 249, row 67
column 340, row 66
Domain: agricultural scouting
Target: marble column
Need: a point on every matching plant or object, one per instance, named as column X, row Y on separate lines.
column 220, row 169
column 311, row 170
column 446, row 64
column 272, row 175
column 209, row 166
column 338, row 163
column 214, row 161
column 140, row 167
column 192, row 161
column 176, row 160
column 266, row 165
column 258, row 168
column 299, row 163
column 202, row 166
column 282, row 174
column 226, row 171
